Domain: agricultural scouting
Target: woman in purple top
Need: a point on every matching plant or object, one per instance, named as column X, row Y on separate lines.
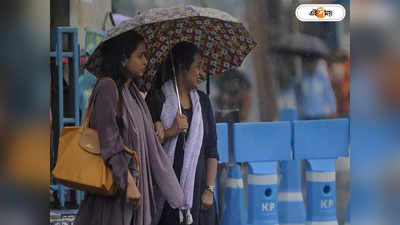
column 123, row 121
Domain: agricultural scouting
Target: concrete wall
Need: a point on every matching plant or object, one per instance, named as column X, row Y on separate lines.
column 89, row 13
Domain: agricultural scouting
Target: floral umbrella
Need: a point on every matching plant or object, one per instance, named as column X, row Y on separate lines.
column 224, row 41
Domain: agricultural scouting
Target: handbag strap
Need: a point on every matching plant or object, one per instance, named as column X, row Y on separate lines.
column 88, row 113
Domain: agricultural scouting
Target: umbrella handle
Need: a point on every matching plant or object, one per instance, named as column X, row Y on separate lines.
column 175, row 80
column 179, row 106
column 177, row 94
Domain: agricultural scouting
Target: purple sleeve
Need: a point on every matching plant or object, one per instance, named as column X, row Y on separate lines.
column 104, row 120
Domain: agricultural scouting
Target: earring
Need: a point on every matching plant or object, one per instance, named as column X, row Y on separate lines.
column 124, row 59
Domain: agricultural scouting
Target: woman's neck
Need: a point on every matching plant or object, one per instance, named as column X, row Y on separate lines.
column 182, row 88
column 183, row 91
column 128, row 82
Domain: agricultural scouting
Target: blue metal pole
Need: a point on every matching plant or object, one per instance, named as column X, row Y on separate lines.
column 348, row 217
column 291, row 203
column 76, row 89
column 59, row 63
column 234, row 209
column 76, row 56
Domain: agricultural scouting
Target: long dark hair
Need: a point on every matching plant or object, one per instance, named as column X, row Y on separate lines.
column 182, row 56
column 115, row 51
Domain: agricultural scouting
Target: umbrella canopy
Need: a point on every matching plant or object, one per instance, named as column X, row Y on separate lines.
column 223, row 40
column 302, row 44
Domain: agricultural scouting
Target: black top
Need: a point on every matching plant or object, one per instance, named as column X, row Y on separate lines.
column 179, row 151
column 155, row 100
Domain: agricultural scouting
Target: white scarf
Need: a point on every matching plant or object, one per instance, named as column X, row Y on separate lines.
column 193, row 142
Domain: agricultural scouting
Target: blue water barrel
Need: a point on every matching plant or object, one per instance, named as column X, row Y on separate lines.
column 321, row 192
column 263, row 193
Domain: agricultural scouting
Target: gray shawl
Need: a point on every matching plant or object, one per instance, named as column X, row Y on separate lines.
column 154, row 161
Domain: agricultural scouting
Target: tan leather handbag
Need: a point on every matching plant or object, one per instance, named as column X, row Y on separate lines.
column 80, row 164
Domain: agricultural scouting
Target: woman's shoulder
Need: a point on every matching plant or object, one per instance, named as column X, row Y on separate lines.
column 204, row 98
column 107, row 87
column 106, row 84
column 202, row 94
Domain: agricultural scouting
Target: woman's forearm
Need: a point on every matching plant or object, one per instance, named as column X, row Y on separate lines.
column 169, row 133
column 212, row 165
